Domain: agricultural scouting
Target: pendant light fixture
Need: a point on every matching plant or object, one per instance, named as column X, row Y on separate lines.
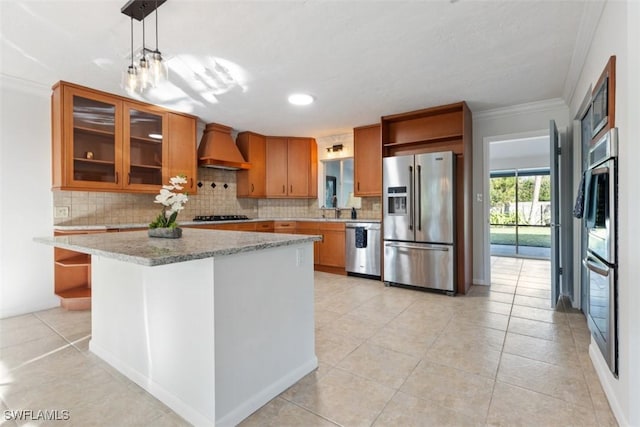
column 144, row 64
column 130, row 79
column 152, row 69
column 159, row 69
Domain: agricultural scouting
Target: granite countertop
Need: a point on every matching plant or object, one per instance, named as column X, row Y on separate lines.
column 77, row 227
column 138, row 248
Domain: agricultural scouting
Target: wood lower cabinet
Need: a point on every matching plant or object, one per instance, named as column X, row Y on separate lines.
column 291, row 167
column 310, row 228
column 332, row 247
column 265, row 226
column 104, row 142
column 284, row 227
column 367, row 161
column 329, row 253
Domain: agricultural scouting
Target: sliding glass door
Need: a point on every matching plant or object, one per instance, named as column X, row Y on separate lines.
column 520, row 215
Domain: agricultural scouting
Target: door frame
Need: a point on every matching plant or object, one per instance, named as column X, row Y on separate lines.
column 579, row 231
column 486, row 200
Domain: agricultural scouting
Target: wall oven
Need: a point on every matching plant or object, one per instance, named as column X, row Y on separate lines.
column 601, row 261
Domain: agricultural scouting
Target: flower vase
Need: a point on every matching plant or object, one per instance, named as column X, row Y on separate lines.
column 166, row 233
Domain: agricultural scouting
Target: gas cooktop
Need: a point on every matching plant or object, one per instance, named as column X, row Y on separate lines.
column 220, row 218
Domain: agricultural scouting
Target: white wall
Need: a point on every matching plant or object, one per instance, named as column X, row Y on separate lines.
column 618, row 34
column 529, row 162
column 26, row 268
column 508, row 122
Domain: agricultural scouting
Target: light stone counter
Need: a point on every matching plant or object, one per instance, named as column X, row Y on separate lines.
column 79, row 227
column 136, row 247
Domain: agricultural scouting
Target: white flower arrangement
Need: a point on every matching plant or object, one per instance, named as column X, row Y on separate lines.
column 172, row 203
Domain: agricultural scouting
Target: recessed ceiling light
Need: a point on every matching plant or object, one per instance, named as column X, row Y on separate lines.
column 300, row 99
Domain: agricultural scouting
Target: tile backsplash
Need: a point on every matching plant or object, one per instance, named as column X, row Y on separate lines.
column 98, row 208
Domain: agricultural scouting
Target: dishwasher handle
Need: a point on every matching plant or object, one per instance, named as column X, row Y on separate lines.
column 365, row 225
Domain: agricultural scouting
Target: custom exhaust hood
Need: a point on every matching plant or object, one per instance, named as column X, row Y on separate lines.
column 218, row 150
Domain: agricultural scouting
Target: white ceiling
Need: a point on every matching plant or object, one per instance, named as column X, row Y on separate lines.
column 360, row 59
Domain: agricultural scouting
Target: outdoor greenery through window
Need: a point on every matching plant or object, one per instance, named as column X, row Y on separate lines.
column 520, row 215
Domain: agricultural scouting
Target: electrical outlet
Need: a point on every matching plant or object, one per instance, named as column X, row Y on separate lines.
column 479, row 197
column 61, row 212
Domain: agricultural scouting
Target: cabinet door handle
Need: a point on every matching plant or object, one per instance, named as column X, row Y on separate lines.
column 291, row 188
column 252, row 188
column 283, row 189
column 191, row 179
column 116, row 177
column 358, row 185
column 129, row 178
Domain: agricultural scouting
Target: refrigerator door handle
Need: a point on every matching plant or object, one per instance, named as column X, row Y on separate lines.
column 411, row 203
column 421, row 247
column 594, row 267
column 419, row 218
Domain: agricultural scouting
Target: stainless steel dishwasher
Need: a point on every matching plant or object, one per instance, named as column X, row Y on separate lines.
column 363, row 249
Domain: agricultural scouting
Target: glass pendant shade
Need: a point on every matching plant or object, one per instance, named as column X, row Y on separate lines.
column 130, row 79
column 144, row 79
column 158, row 69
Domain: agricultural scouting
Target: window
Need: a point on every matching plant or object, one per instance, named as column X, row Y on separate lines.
column 337, row 189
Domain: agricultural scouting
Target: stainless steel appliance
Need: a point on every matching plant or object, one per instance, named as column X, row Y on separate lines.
column 418, row 220
column 363, row 249
column 601, row 261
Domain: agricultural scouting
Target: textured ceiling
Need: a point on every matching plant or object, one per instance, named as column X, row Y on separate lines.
column 236, row 62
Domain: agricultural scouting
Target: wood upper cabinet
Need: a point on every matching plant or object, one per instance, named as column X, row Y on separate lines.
column 276, row 162
column 252, row 182
column 144, row 147
column 291, row 169
column 182, row 150
column 367, row 161
column 87, row 139
column 298, row 166
column 104, row 142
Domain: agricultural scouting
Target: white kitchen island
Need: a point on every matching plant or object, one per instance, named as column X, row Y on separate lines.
column 214, row 324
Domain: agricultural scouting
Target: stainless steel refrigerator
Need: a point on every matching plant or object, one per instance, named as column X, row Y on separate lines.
column 418, row 220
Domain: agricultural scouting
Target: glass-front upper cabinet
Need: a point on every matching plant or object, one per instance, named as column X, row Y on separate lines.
column 144, row 146
column 104, row 142
column 94, row 143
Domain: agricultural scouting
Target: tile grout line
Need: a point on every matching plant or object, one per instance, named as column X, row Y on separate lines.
column 495, row 381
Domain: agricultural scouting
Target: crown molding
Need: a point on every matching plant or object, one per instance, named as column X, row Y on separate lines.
column 23, row 85
column 527, row 108
column 586, row 32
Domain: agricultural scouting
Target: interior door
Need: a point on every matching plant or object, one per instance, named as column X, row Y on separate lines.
column 554, row 151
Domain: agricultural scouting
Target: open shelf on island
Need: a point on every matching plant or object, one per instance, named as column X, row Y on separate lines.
column 75, row 261
column 75, row 298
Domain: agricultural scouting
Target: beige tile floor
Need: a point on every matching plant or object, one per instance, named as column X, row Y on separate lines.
column 387, row 357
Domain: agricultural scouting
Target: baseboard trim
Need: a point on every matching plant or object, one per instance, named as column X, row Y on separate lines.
column 176, row 404
column 604, row 375
column 259, row 399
